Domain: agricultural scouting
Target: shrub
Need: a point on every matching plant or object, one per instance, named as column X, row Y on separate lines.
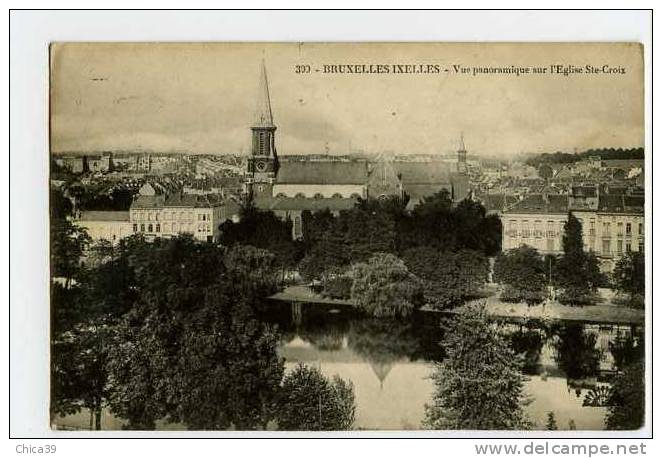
column 311, row 402
column 338, row 287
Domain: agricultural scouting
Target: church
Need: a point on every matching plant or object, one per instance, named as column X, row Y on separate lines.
column 290, row 187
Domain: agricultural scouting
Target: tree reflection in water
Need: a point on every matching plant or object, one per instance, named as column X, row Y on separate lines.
column 325, row 331
column 528, row 342
column 382, row 343
column 576, row 354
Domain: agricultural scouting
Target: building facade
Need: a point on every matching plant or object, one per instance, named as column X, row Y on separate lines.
column 612, row 225
column 159, row 212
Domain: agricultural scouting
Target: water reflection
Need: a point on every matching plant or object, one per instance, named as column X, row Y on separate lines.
column 390, row 363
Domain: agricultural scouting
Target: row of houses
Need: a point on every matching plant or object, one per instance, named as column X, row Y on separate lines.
column 160, row 212
column 612, row 224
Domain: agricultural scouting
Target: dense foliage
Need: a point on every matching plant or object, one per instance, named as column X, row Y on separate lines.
column 311, row 402
column 521, row 271
column 479, row 385
column 263, row 229
column 167, row 331
column 383, row 286
column 449, row 278
column 630, row 277
column 627, row 407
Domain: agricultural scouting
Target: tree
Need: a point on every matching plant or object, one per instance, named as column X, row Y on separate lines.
column 383, row 286
column 190, row 349
column 68, row 243
column 252, row 269
column 262, row 229
column 630, row 277
column 627, row 400
column 448, row 278
column 551, row 422
column 578, row 273
column 480, row 384
column 369, row 229
column 311, row 402
column 522, row 272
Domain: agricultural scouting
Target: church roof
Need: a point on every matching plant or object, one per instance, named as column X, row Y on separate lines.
column 433, row 172
column 323, row 172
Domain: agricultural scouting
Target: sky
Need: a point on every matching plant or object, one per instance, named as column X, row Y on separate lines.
column 201, row 98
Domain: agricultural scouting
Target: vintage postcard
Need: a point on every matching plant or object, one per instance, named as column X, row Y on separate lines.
column 347, row 236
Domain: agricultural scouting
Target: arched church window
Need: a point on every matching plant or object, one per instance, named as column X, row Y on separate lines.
column 318, row 195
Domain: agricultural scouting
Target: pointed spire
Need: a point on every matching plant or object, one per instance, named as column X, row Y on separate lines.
column 263, row 116
column 462, row 148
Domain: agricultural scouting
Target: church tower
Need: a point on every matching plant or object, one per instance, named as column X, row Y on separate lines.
column 263, row 162
column 462, row 156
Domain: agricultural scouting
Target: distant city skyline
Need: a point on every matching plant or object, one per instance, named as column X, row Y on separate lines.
column 199, row 98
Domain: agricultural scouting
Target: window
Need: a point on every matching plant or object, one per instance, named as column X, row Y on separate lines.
column 550, row 229
column 156, row 217
column 297, row 226
column 619, row 246
column 537, row 230
column 142, row 228
column 641, row 246
column 525, row 229
column 619, row 229
column 628, row 247
column 512, row 228
column 591, row 230
column 135, row 228
column 158, row 227
column 606, row 229
column 628, row 229
column 150, row 228
column 318, row 196
column 641, row 228
column 606, row 246
column 337, row 195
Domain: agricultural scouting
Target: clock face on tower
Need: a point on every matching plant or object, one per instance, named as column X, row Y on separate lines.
column 261, row 166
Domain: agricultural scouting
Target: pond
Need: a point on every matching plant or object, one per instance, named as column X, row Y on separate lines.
column 568, row 366
column 389, row 362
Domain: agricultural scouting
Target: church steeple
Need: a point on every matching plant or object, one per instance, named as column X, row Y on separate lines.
column 263, row 163
column 263, row 115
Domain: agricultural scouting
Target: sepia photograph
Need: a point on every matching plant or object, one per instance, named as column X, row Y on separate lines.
column 359, row 236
